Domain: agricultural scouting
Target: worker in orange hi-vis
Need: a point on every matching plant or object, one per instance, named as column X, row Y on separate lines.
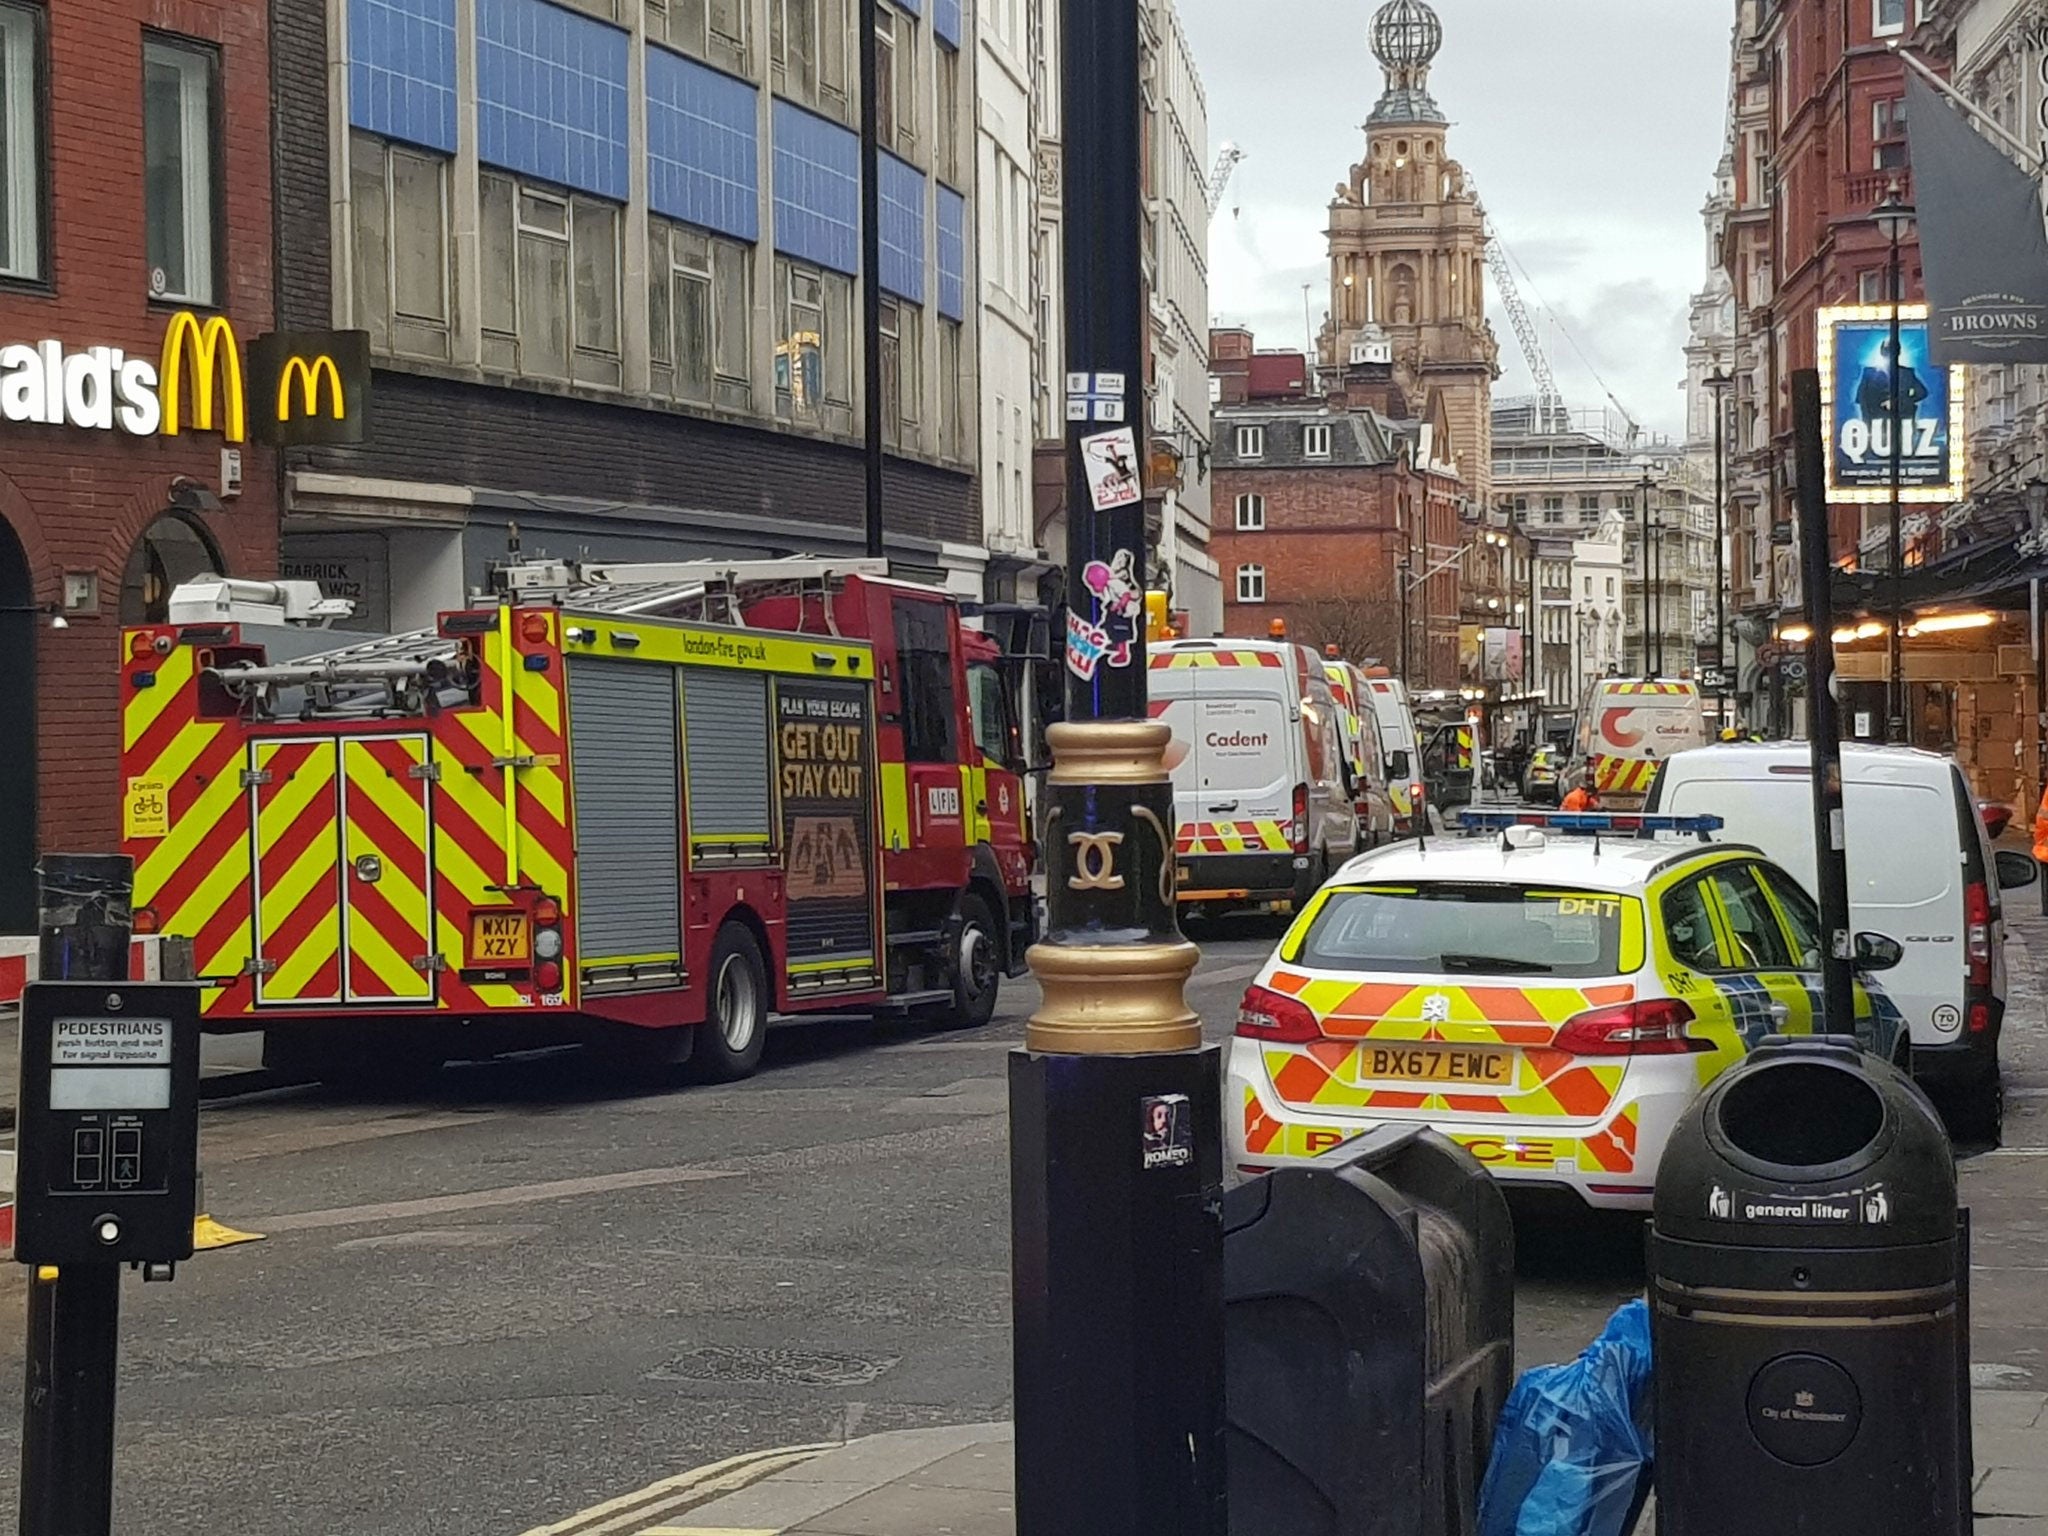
column 1584, row 798
column 2041, row 828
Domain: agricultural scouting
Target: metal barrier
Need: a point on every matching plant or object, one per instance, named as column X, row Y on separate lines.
column 1368, row 1339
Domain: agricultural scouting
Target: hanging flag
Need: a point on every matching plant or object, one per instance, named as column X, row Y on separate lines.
column 1983, row 247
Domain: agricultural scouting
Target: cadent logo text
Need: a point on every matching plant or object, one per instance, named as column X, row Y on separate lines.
column 103, row 388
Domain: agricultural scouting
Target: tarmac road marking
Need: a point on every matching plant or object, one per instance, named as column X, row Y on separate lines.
column 484, row 1199
column 707, row 1530
column 676, row 1495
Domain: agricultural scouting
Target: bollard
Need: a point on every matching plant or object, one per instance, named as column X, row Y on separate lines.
column 1369, row 1332
column 74, row 1318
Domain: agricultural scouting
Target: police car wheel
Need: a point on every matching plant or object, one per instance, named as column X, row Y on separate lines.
column 735, row 1027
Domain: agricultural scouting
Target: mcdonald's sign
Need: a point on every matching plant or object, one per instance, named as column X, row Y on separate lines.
column 214, row 357
column 310, row 387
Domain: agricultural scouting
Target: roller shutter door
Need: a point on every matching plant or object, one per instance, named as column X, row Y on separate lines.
column 725, row 728
column 623, row 762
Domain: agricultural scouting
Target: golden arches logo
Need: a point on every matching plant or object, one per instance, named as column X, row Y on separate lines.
column 216, row 356
column 308, row 374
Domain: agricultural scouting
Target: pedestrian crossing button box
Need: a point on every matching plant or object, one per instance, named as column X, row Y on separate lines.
column 107, row 1133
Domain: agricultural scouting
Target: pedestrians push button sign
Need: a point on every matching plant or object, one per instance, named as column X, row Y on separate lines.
column 109, row 1123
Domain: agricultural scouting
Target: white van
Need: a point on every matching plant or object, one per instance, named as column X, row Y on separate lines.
column 1921, row 871
column 1388, row 697
column 1262, row 786
column 1626, row 727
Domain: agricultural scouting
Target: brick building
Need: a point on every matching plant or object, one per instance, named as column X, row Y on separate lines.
column 607, row 252
column 134, row 191
column 1337, row 518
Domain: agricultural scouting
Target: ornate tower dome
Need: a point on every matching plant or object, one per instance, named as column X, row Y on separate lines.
column 1406, row 35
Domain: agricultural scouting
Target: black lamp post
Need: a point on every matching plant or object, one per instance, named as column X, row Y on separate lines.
column 1894, row 217
column 1719, row 382
column 1651, row 662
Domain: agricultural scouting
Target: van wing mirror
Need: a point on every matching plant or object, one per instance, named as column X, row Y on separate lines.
column 1397, row 763
column 2016, row 871
column 1875, row 952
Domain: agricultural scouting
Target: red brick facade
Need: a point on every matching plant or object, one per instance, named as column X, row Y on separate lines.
column 77, row 500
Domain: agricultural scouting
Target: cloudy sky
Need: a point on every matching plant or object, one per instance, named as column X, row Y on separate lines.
column 1591, row 126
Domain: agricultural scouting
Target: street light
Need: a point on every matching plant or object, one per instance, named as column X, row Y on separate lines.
column 1719, row 382
column 1651, row 668
column 1894, row 219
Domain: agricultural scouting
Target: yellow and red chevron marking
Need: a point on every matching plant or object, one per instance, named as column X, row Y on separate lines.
column 298, row 870
column 1231, row 837
column 1624, row 775
column 195, row 878
column 1170, row 660
column 1612, row 1148
column 1474, row 1014
column 478, row 849
column 384, row 798
column 1663, row 688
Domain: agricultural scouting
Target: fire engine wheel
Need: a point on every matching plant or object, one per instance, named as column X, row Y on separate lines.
column 735, row 1029
column 978, row 974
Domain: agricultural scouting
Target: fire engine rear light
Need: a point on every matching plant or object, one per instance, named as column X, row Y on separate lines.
column 547, row 910
column 1297, row 829
column 141, row 647
column 143, row 920
column 1652, row 1027
column 533, row 628
column 1273, row 1016
column 547, row 944
column 547, row 976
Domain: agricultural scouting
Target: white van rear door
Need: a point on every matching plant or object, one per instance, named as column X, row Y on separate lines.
column 1246, row 758
column 1906, row 882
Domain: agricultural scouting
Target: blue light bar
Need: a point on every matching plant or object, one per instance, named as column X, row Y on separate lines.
column 1589, row 823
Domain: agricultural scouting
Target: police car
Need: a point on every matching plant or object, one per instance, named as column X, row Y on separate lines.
column 1550, row 994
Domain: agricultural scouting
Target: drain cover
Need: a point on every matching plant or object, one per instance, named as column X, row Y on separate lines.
column 776, row 1367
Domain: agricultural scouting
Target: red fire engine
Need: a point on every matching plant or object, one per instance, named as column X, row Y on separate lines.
column 610, row 803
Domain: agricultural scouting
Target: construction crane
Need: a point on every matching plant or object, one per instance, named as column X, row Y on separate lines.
column 1226, row 162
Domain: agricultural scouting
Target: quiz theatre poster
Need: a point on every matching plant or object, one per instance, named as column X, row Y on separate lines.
column 824, row 735
column 1857, row 381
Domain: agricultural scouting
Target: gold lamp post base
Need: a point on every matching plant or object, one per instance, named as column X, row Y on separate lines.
column 1116, row 1000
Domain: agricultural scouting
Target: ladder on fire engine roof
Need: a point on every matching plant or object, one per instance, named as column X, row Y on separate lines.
column 392, row 672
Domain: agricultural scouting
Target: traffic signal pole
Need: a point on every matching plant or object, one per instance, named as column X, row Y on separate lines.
column 1115, row 1115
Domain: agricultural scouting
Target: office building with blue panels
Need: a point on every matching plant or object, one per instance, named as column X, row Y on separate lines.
column 608, row 255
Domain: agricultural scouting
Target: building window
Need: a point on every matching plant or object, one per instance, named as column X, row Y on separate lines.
column 895, row 69
column 1887, row 17
column 710, row 29
column 699, row 299
column 948, row 132
column 1251, row 513
column 398, row 199
column 1610, row 586
column 1520, row 509
column 21, row 157
column 1251, row 583
column 179, row 206
column 1888, row 151
column 1553, row 509
column 902, row 384
column 952, row 398
column 807, row 51
column 814, row 346
column 1315, row 442
column 1251, row 442
column 550, row 283
column 1589, row 508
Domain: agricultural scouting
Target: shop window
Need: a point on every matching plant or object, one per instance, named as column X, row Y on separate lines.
column 180, row 205
column 713, row 30
column 814, row 346
column 170, row 553
column 550, row 283
column 21, row 146
column 699, row 303
column 1251, row 583
column 399, row 202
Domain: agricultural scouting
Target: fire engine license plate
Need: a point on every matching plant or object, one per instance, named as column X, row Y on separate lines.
column 1438, row 1064
column 495, row 938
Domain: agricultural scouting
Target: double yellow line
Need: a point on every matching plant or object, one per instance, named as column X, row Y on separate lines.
column 640, row 1514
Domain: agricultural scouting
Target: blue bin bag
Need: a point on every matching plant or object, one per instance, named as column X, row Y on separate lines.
column 1571, row 1456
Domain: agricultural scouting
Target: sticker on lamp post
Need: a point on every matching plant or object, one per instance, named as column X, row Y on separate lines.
column 1111, row 460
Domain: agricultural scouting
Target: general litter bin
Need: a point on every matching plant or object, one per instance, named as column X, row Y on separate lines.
column 1808, row 1292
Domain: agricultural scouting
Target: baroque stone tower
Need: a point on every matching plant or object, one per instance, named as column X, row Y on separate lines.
column 1408, row 251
